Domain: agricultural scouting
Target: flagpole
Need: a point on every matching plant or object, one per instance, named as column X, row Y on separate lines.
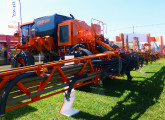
column 20, row 38
column 20, row 11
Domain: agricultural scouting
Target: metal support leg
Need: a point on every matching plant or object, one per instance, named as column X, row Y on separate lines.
column 39, row 60
column 141, row 70
column 66, row 108
column 129, row 77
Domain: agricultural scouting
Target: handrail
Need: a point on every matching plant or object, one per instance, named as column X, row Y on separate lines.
column 54, row 63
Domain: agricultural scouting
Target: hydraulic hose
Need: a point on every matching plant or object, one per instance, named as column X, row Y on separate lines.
column 78, row 45
column 110, row 66
column 67, row 95
column 9, row 87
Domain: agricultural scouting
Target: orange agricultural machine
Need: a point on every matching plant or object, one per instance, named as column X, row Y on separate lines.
column 57, row 36
column 145, row 53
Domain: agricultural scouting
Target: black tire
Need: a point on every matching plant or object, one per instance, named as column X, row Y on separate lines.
column 25, row 57
column 46, row 60
column 49, row 57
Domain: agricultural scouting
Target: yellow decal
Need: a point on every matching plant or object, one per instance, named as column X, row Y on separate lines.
column 42, row 22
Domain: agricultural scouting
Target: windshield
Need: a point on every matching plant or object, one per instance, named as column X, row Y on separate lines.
column 26, row 33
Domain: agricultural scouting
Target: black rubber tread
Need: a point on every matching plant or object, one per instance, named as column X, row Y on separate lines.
column 26, row 56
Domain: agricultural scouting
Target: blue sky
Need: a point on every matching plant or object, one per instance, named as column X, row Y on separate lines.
column 119, row 15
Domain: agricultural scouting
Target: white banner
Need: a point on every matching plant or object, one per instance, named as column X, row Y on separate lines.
column 14, row 14
column 141, row 37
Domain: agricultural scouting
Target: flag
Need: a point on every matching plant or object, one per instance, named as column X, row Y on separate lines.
column 14, row 13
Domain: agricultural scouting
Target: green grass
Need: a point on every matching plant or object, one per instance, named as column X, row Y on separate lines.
column 143, row 99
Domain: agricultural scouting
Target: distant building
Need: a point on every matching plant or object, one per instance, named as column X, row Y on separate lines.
column 6, row 43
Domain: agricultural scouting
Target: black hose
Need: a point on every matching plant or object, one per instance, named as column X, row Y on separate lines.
column 125, row 65
column 113, row 45
column 101, row 48
column 9, row 87
column 72, row 16
column 67, row 95
column 78, row 45
column 111, row 66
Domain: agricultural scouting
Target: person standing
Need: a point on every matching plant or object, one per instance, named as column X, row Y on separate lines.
column 9, row 60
